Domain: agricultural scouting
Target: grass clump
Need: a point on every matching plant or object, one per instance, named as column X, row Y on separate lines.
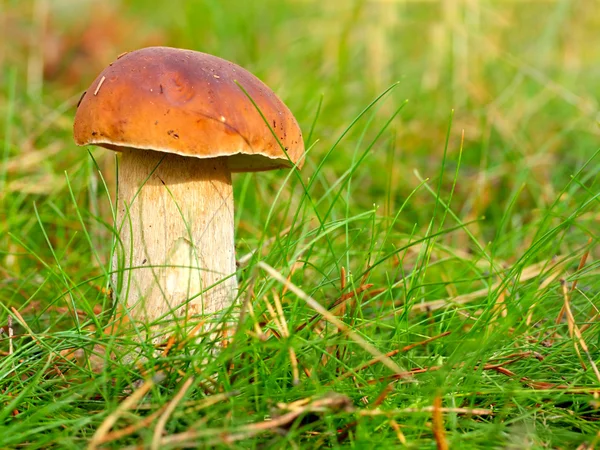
column 454, row 235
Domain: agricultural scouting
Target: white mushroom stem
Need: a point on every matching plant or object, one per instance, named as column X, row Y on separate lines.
column 175, row 221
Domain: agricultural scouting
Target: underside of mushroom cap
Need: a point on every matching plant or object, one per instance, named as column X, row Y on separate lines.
column 191, row 104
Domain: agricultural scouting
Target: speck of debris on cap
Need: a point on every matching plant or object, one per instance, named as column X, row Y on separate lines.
column 99, row 85
column 121, row 55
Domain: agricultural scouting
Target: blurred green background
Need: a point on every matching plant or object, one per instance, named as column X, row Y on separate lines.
column 521, row 76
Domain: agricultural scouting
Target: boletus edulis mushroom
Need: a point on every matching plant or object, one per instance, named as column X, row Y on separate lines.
column 181, row 124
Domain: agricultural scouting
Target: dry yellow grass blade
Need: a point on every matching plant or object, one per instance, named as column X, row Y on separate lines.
column 528, row 273
column 574, row 331
column 385, row 360
column 104, row 428
column 285, row 331
column 331, row 402
column 162, row 422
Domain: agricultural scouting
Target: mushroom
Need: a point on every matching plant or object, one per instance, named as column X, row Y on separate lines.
column 181, row 124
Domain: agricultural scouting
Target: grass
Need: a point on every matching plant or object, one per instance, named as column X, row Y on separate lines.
column 457, row 233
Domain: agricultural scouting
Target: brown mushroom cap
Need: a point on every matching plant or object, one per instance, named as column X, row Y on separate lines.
column 188, row 103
